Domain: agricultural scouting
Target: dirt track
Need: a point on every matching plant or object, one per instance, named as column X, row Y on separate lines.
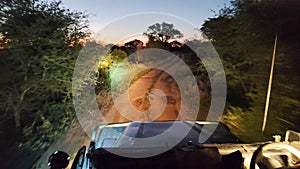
column 150, row 107
column 140, row 96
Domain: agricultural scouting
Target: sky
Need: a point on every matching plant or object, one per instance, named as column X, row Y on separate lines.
column 124, row 19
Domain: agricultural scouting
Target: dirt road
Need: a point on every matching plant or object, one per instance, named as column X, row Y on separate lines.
column 153, row 97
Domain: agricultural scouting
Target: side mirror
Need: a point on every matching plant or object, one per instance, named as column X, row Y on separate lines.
column 79, row 158
column 58, row 160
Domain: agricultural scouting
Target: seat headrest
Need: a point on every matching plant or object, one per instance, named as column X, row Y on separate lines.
column 205, row 158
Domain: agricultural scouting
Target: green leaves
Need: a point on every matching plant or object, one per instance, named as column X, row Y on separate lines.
column 163, row 31
column 42, row 41
column 243, row 34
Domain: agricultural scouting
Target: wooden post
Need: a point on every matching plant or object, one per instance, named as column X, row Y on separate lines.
column 269, row 87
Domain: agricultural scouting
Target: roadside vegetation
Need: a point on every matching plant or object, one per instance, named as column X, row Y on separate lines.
column 39, row 42
column 243, row 33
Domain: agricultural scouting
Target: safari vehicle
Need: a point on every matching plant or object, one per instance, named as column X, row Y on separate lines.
column 115, row 146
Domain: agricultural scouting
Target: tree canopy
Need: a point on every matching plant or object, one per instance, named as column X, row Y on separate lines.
column 163, row 31
column 243, row 34
column 40, row 43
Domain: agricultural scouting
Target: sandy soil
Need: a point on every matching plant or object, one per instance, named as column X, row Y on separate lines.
column 147, row 102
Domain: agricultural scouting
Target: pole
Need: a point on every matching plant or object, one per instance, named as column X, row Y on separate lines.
column 269, row 87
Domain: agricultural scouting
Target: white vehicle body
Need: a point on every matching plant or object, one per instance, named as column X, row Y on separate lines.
column 225, row 147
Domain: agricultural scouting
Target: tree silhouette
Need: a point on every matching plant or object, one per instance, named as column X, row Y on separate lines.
column 163, row 32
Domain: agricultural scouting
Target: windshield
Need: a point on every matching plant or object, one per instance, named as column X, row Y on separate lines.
column 118, row 137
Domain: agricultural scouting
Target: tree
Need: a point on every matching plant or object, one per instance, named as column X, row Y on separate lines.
column 163, row 32
column 42, row 41
column 129, row 48
column 243, row 34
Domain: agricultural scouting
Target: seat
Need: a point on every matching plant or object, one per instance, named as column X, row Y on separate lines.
column 103, row 159
column 233, row 160
column 195, row 158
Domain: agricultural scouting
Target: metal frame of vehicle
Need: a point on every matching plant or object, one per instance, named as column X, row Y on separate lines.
column 109, row 135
